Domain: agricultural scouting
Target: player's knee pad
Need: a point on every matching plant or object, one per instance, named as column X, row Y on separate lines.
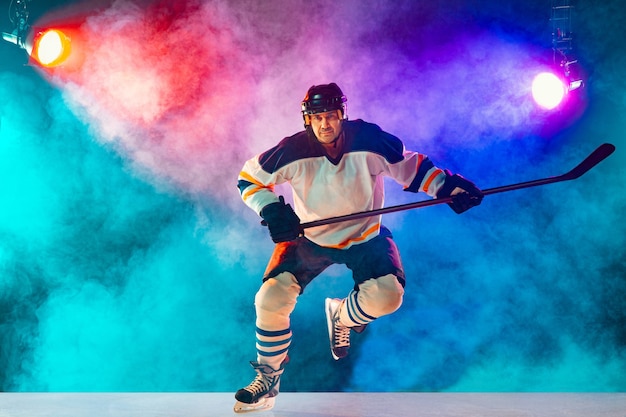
column 276, row 299
column 380, row 296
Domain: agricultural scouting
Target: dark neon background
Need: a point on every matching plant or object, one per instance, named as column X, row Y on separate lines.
column 128, row 262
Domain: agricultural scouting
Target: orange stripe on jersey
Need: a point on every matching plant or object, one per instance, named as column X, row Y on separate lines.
column 244, row 175
column 251, row 192
column 258, row 186
column 358, row 239
column 431, row 178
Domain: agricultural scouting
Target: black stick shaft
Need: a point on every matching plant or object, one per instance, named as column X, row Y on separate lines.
column 602, row 152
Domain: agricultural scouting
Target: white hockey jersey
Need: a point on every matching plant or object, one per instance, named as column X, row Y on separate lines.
column 324, row 187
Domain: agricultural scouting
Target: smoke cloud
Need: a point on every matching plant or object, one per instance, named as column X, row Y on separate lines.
column 129, row 263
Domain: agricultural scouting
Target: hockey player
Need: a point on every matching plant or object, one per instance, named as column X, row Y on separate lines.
column 334, row 167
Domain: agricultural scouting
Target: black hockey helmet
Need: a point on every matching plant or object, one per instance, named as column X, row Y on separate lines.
column 322, row 98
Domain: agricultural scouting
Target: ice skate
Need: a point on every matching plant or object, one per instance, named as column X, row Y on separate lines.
column 261, row 393
column 338, row 334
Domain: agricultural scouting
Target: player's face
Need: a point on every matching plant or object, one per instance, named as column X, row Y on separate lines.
column 326, row 126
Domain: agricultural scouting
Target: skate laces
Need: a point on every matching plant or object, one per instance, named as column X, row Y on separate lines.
column 260, row 385
column 341, row 335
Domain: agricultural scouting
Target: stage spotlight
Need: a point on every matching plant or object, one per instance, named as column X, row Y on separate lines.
column 551, row 87
column 49, row 47
column 548, row 90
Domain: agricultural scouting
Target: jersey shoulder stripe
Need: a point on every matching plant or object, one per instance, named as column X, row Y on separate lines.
column 288, row 150
column 369, row 137
column 360, row 136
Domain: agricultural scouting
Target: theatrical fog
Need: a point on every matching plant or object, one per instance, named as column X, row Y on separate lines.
column 129, row 263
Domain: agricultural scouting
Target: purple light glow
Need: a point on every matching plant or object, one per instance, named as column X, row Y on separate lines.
column 548, row 90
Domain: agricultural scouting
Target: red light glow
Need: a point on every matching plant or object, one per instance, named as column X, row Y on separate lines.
column 51, row 48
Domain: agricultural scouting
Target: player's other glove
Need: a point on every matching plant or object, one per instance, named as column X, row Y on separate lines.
column 282, row 222
column 464, row 193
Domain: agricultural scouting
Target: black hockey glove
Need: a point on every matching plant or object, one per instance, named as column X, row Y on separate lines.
column 282, row 222
column 470, row 196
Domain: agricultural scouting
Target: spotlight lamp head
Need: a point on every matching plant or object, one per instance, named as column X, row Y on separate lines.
column 548, row 90
column 50, row 47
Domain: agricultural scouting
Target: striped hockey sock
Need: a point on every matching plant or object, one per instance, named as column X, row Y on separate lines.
column 352, row 314
column 272, row 346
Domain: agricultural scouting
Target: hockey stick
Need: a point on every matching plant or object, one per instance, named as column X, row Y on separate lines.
column 597, row 156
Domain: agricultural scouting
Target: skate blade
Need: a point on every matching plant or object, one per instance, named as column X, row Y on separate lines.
column 263, row 404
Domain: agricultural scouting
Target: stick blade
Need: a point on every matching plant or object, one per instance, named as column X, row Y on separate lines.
column 600, row 154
